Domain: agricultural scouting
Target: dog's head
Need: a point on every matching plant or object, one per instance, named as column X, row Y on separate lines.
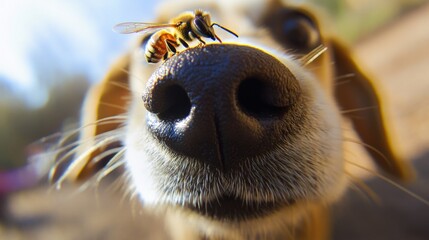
column 247, row 133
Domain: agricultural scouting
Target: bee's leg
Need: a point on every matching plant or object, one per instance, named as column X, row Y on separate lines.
column 184, row 43
column 170, row 46
column 171, row 49
column 199, row 39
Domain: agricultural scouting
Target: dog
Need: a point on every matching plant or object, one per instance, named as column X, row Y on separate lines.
column 244, row 139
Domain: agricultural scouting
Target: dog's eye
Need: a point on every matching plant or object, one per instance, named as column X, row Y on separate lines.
column 300, row 33
column 294, row 30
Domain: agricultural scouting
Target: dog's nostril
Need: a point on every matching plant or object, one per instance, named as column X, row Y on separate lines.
column 169, row 103
column 179, row 105
column 257, row 98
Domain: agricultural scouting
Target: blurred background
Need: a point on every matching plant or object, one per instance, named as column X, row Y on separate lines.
column 52, row 50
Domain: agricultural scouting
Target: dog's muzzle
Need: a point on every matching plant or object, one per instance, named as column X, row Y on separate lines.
column 221, row 103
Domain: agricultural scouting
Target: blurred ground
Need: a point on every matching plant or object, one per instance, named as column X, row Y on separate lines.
column 398, row 56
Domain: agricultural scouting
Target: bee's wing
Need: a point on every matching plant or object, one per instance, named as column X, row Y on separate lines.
column 135, row 27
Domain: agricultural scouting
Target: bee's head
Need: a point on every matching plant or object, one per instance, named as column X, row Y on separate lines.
column 202, row 25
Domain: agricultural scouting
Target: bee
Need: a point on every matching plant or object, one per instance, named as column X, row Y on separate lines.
column 168, row 37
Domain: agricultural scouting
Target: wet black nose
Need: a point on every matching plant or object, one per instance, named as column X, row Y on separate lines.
column 221, row 104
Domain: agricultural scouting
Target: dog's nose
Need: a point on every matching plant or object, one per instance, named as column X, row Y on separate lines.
column 221, row 104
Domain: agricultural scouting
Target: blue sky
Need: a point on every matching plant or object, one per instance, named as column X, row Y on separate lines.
column 44, row 41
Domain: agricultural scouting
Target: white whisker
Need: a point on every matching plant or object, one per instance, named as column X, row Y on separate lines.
column 80, row 161
column 106, row 153
column 358, row 109
column 378, row 152
column 120, row 107
column 121, row 85
column 391, row 182
column 73, row 149
column 365, row 190
column 345, row 77
column 109, row 170
column 103, row 121
column 112, row 165
column 313, row 55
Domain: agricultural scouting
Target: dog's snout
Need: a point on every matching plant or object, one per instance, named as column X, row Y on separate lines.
column 221, row 104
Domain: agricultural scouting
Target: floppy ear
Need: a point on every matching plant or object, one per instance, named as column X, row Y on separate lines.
column 361, row 103
column 106, row 99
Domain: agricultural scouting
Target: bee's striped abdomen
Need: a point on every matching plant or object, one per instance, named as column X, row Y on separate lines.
column 156, row 48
